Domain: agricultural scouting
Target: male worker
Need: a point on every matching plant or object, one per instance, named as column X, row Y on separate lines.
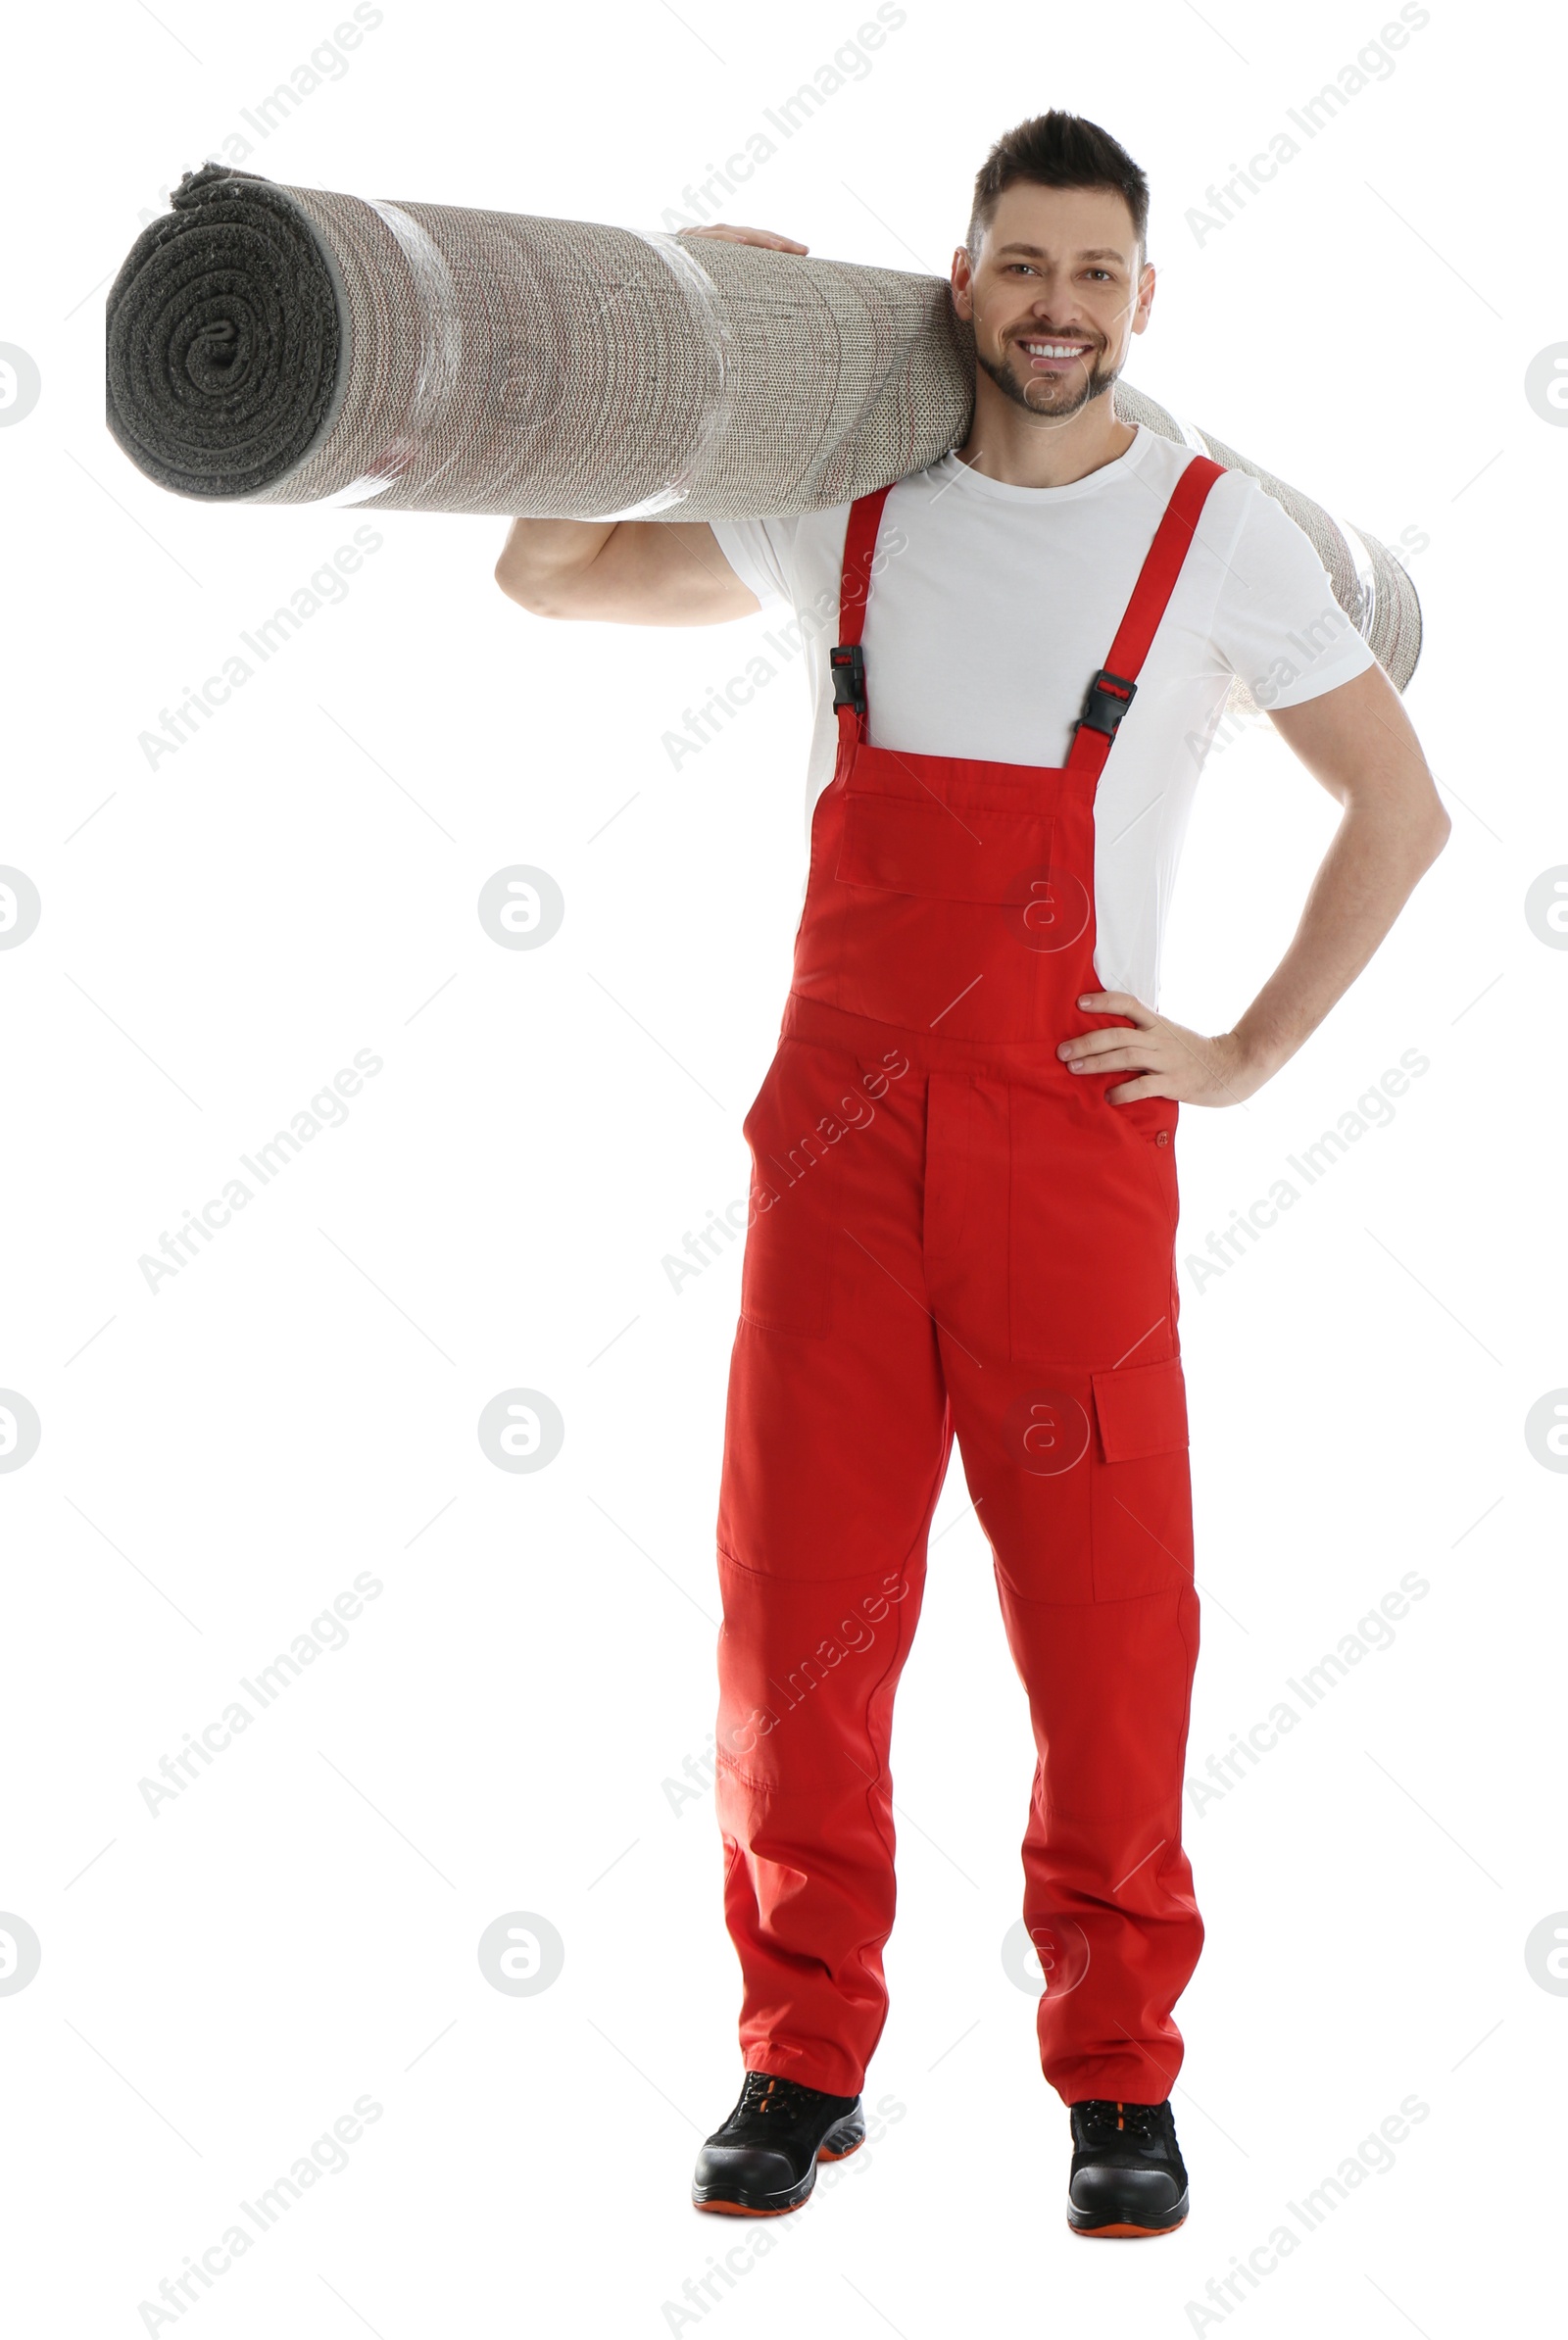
column 964, row 1192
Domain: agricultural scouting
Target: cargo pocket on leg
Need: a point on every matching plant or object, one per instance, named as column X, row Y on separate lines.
column 1142, row 1505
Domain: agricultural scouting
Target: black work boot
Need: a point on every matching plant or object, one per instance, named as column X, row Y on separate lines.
column 1128, row 2177
column 764, row 2160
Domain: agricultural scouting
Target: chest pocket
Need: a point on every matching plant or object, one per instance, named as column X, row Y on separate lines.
column 918, row 846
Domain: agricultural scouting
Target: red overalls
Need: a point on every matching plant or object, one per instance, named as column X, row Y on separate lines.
column 951, row 1233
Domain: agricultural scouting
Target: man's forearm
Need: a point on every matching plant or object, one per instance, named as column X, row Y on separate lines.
column 1380, row 853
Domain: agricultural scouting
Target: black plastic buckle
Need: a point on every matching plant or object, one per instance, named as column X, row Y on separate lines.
column 847, row 666
column 1109, row 697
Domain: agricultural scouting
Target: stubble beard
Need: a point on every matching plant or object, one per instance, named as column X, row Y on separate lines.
column 1092, row 384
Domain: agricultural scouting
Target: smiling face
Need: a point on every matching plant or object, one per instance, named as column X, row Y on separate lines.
column 1054, row 295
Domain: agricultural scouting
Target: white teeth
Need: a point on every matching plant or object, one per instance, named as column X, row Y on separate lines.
column 1054, row 349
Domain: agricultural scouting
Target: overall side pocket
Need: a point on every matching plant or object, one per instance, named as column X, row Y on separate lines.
column 1141, row 1485
column 792, row 1233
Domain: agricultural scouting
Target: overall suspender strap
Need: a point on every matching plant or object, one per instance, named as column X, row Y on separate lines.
column 1113, row 688
column 1112, row 691
column 846, row 664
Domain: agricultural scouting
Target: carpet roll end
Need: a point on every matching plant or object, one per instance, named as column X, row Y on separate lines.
column 227, row 344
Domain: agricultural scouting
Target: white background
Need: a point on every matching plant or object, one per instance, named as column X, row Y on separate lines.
column 299, row 1927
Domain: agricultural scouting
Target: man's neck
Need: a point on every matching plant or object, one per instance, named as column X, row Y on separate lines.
column 1023, row 450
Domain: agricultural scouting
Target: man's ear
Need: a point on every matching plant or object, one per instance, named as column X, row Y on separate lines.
column 961, row 281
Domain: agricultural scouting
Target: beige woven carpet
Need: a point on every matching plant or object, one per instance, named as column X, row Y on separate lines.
column 286, row 345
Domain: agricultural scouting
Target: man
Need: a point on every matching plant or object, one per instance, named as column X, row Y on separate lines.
column 964, row 1190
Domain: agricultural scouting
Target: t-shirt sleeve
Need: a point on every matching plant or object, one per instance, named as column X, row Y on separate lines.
column 1277, row 624
column 756, row 556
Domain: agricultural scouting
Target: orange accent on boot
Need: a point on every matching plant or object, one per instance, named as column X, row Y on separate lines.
column 1090, row 2233
column 738, row 2210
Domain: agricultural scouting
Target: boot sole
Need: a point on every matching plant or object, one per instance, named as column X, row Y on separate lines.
column 1124, row 2230
column 740, row 2205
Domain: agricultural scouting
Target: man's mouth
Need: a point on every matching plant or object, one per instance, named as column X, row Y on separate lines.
column 1053, row 357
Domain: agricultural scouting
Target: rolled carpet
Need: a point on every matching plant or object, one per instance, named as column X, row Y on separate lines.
column 287, row 345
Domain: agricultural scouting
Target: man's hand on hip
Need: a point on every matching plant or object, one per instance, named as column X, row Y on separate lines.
column 1167, row 1060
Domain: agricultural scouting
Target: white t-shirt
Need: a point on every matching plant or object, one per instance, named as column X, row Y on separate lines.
column 993, row 607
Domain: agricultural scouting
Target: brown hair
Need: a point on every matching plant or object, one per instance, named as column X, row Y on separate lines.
column 1059, row 150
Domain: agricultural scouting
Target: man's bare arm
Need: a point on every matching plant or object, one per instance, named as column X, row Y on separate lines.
column 631, row 572
column 1357, row 743
column 623, row 572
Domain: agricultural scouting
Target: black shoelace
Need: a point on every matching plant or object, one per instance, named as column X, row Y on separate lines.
column 766, row 2092
column 1125, row 2123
